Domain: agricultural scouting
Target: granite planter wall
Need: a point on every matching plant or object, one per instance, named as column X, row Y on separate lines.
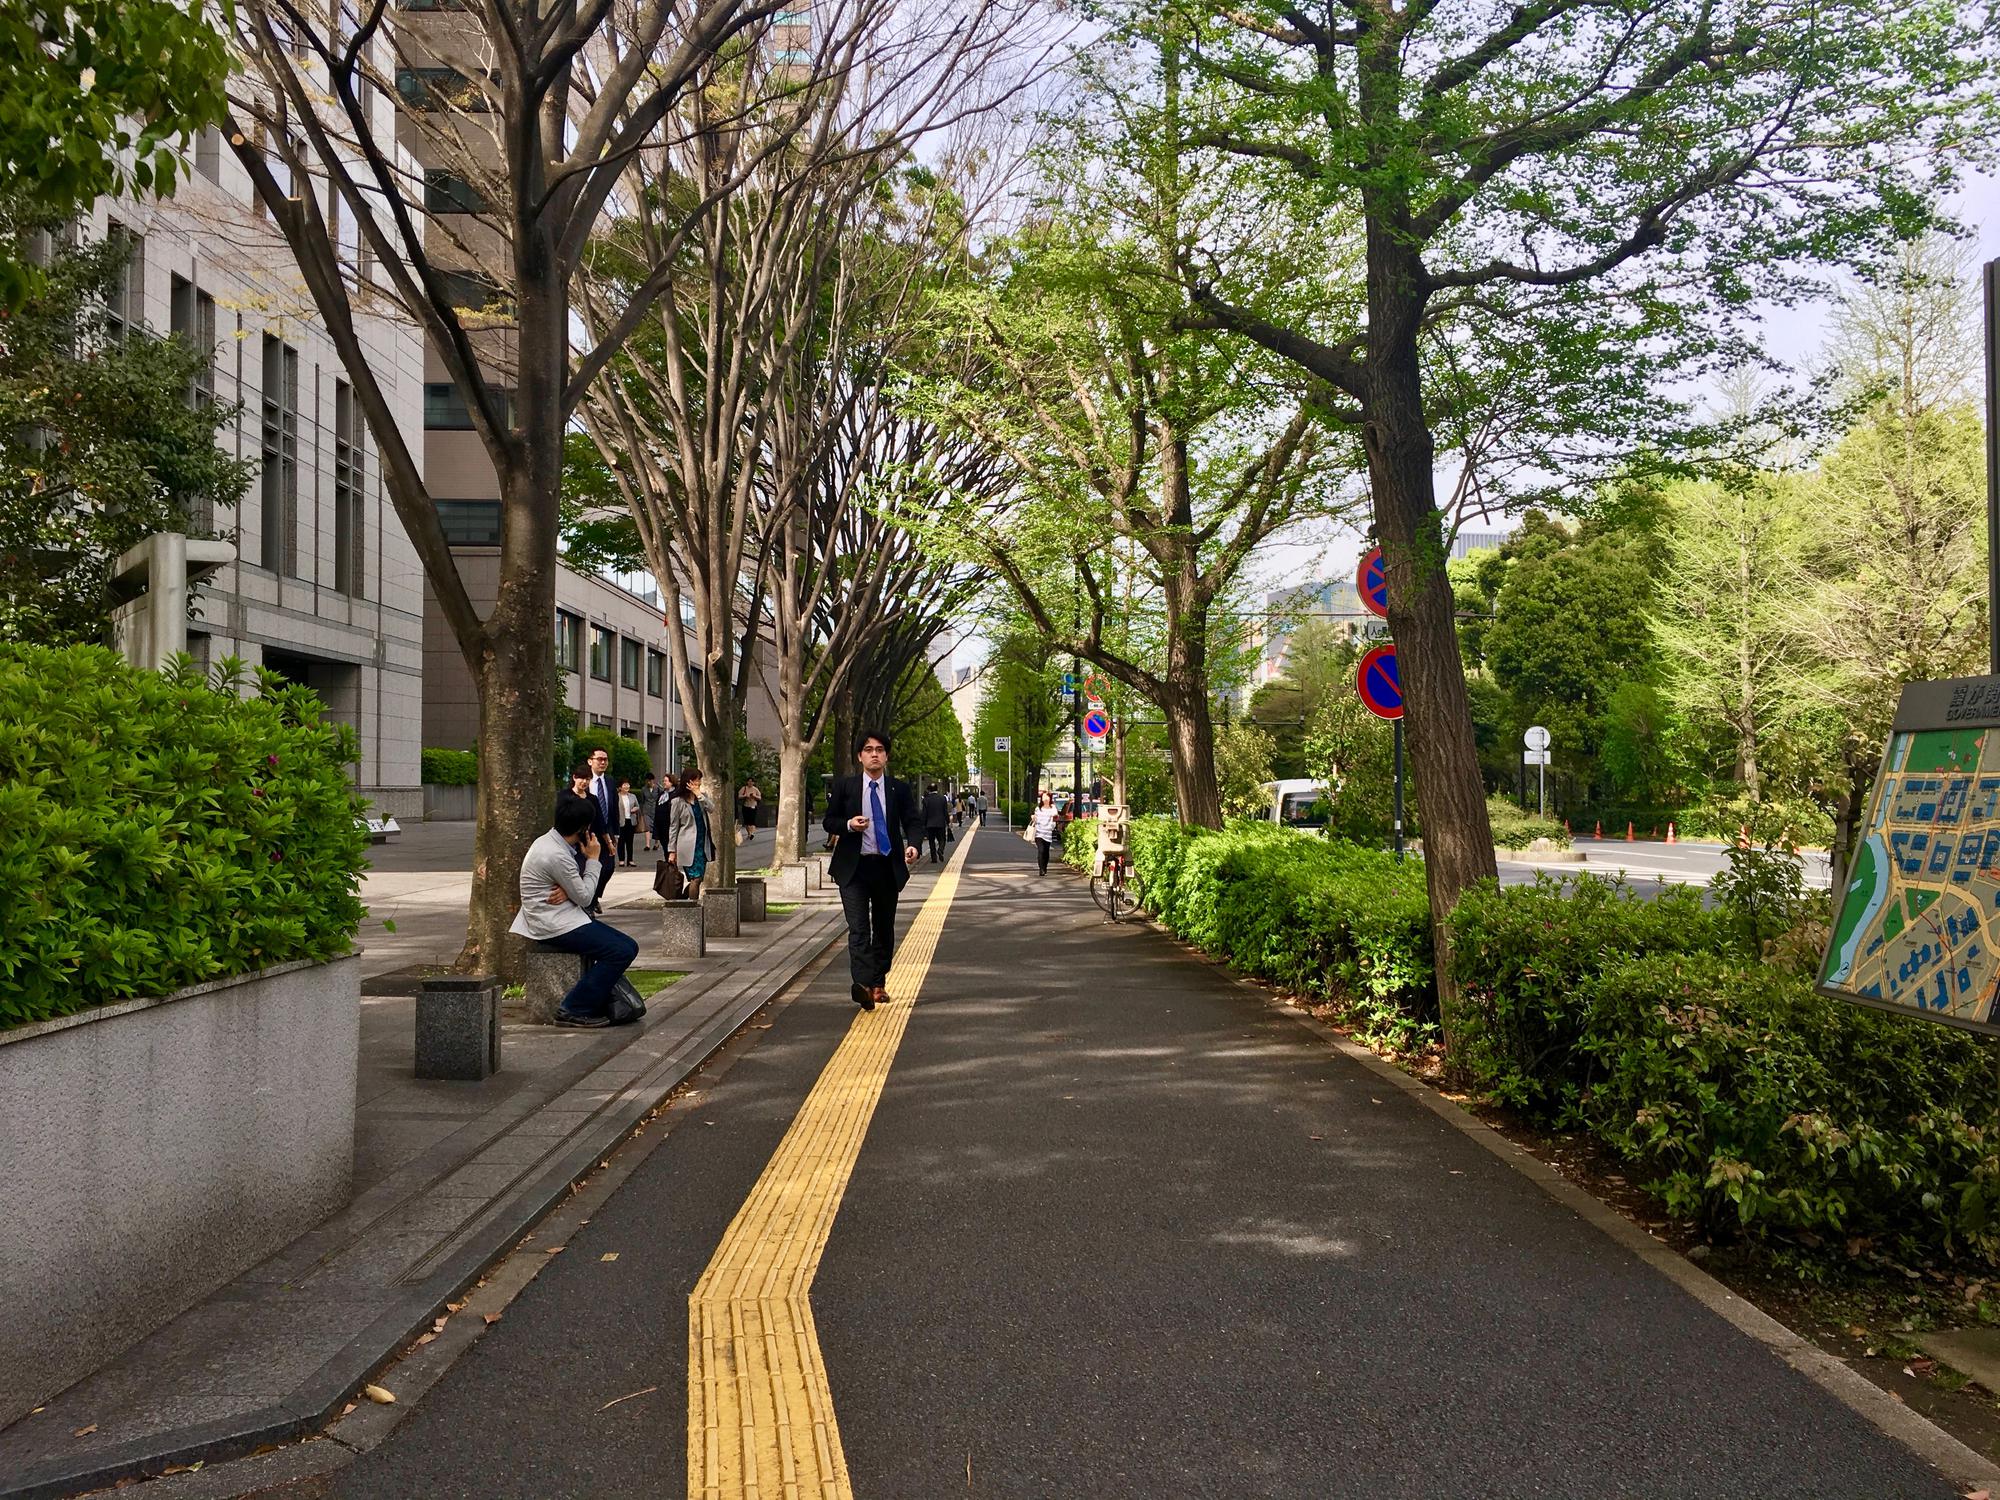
column 151, row 1151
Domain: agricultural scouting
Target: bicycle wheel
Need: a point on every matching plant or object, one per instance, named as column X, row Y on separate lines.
column 1100, row 892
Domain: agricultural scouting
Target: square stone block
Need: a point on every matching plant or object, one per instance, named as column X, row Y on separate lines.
column 787, row 883
column 750, row 898
column 719, row 914
column 458, row 1027
column 683, row 933
column 547, row 975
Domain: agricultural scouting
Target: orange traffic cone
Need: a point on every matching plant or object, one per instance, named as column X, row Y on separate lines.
column 1743, row 836
column 1670, row 834
column 1600, row 829
column 1565, row 825
column 1628, row 832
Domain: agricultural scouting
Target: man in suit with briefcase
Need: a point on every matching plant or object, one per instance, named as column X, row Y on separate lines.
column 874, row 818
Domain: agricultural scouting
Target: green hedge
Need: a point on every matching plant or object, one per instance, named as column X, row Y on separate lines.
column 159, row 830
column 1745, row 1099
column 1521, row 955
column 450, row 768
column 629, row 760
column 1319, row 917
column 1515, row 829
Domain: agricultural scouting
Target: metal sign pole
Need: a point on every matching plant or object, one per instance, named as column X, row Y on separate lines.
column 1399, row 791
column 1008, row 801
column 1993, row 464
column 1541, row 789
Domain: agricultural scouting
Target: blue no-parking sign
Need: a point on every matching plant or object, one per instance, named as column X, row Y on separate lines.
column 1095, row 724
column 1380, row 686
column 1371, row 582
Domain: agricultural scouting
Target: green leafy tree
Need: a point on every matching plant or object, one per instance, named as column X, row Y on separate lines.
column 1020, row 702
column 1354, row 753
column 1243, row 753
column 101, row 97
column 930, row 744
column 104, row 440
column 1561, row 203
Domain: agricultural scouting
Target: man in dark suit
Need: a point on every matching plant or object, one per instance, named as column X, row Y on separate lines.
column 604, row 820
column 937, row 817
column 874, row 817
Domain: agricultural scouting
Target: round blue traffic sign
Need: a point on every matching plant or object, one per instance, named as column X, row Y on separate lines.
column 1371, row 582
column 1095, row 724
column 1380, row 687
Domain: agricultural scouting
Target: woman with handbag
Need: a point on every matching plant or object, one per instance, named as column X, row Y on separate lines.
column 690, row 837
column 1043, row 826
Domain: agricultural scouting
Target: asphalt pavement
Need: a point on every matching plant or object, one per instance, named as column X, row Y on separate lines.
column 1117, row 1228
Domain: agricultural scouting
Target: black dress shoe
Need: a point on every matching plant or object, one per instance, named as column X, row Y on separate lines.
column 863, row 997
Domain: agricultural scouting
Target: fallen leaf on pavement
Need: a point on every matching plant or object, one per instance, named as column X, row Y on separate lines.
column 437, row 1324
column 381, row 1395
column 452, row 1307
column 85, row 1431
column 424, row 1339
column 491, row 1319
column 555, row 1250
column 609, row 1255
column 1978, row 1495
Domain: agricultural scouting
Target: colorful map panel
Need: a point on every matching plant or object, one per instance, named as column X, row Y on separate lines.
column 1918, row 925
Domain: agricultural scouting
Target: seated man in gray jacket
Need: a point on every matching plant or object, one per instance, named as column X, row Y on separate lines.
column 555, row 909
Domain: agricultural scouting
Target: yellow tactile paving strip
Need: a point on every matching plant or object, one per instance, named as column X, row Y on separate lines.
column 760, row 1409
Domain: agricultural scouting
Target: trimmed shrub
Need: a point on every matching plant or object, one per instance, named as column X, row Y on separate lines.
column 1080, row 844
column 1521, row 956
column 1515, row 829
column 629, row 760
column 450, row 768
column 1744, row 1099
column 160, row 830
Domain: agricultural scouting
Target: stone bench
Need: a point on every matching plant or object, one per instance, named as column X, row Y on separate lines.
column 547, row 975
column 750, row 898
column 458, row 1026
column 683, row 930
column 786, row 883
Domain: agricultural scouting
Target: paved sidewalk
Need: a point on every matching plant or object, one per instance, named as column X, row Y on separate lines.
column 447, row 1177
column 1118, row 1229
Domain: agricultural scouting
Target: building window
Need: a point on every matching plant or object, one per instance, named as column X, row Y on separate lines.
column 192, row 312
column 448, row 193
column 441, row 88
column 128, row 296
column 656, row 671
column 445, row 408
column 628, row 664
column 600, row 653
column 687, row 611
column 208, row 153
column 473, row 523
column 280, row 479
column 569, row 638
column 350, row 481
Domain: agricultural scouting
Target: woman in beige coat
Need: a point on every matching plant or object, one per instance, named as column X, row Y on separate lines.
column 689, row 834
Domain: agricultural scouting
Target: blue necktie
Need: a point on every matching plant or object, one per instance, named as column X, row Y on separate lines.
column 875, row 812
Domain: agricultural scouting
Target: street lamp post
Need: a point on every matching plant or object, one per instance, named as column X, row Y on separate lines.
column 1992, row 279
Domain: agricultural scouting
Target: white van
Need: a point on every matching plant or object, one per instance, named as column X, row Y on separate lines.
column 1298, row 802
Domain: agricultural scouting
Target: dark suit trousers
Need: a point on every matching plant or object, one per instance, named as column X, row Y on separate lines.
column 869, row 900
column 936, row 838
column 607, row 862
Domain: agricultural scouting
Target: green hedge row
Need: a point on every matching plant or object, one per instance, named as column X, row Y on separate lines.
column 1515, row 829
column 1732, row 1090
column 1322, row 918
column 450, row 768
column 159, row 830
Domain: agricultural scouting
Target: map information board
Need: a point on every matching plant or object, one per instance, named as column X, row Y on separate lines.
column 1918, row 925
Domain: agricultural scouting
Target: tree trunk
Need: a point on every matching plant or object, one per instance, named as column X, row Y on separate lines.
column 1191, row 734
column 788, row 832
column 1444, row 759
column 516, row 675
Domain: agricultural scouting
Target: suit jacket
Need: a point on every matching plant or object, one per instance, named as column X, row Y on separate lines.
column 604, row 809
column 937, row 811
column 899, row 811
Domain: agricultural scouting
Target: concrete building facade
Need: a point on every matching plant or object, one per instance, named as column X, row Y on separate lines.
column 325, row 589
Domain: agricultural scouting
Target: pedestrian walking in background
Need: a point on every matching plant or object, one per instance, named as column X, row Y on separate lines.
column 749, row 797
column 603, row 797
column 1043, row 825
column 873, row 821
column 649, row 804
column 579, row 790
column 690, row 834
column 555, row 895
column 628, row 821
column 937, row 816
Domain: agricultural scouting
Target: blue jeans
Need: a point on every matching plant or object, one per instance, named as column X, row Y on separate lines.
column 607, row 953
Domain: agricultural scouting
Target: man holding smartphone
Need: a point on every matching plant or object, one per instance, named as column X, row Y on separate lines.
column 875, row 820
column 555, row 910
